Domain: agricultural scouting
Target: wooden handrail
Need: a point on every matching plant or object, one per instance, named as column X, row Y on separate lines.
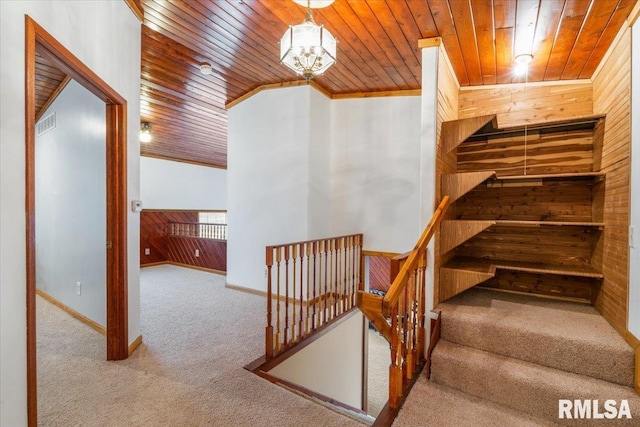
column 393, row 294
column 400, row 315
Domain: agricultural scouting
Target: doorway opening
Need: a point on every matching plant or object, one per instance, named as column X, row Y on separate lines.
column 38, row 39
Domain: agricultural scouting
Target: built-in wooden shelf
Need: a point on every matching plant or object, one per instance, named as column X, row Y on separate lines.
column 509, row 188
column 489, row 266
column 454, row 232
column 518, row 223
column 491, row 130
column 456, row 185
column 554, row 176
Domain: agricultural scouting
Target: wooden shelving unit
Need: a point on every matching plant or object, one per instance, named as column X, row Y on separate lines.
column 527, row 207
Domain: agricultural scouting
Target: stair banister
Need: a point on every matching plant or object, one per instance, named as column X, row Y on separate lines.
column 404, row 304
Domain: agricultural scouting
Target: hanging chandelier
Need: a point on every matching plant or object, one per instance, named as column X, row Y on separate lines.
column 308, row 48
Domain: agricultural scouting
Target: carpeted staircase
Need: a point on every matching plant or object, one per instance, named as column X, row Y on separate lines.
column 507, row 359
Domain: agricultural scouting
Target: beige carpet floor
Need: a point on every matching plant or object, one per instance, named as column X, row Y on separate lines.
column 197, row 336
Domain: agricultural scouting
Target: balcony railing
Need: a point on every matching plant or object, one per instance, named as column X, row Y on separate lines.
column 310, row 283
column 198, row 230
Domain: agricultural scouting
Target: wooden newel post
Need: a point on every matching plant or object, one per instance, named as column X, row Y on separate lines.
column 269, row 328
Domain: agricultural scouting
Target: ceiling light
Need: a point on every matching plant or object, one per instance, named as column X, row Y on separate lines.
column 308, row 49
column 314, row 4
column 205, row 68
column 522, row 64
column 145, row 132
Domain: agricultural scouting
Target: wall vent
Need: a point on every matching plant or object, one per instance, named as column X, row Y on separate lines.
column 46, row 124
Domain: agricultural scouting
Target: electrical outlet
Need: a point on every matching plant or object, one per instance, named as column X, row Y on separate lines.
column 147, row 251
column 78, row 288
column 265, row 272
column 197, row 252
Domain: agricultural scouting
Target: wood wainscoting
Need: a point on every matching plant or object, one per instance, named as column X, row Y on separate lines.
column 179, row 250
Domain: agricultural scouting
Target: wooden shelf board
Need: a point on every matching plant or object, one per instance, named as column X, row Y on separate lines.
column 547, row 223
column 580, row 123
column 551, row 176
column 478, row 265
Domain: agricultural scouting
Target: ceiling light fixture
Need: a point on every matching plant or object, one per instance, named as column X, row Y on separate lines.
column 522, row 64
column 205, row 68
column 145, row 132
column 308, row 48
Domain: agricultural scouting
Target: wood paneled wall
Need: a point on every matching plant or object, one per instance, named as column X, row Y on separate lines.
column 181, row 250
column 448, row 108
column 533, row 103
column 379, row 270
column 612, row 96
column 154, row 233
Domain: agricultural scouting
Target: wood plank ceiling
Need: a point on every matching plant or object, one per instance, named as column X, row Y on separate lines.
column 377, row 52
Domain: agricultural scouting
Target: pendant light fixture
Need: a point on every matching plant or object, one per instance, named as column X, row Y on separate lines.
column 308, row 49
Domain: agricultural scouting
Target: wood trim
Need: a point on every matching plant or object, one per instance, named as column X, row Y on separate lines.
column 364, row 375
column 135, row 344
column 116, row 149
column 636, row 384
column 634, row 15
column 308, row 339
column 173, row 159
column 310, row 393
column 195, row 267
column 30, row 136
column 153, row 264
column 313, row 84
column 136, row 8
column 632, row 340
column 430, row 42
column 70, row 311
column 436, row 328
column 380, row 253
column 380, row 94
column 528, row 85
column 293, row 83
column 53, row 97
column 245, row 289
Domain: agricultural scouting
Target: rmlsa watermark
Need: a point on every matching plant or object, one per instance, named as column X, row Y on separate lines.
column 592, row 409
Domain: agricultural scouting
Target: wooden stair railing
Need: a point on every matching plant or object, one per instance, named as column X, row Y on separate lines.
column 404, row 306
column 310, row 283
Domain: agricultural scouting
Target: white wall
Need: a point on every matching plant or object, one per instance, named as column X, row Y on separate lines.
column 301, row 166
column 268, row 178
column 375, row 171
column 165, row 184
column 105, row 35
column 335, row 355
column 71, row 203
column 634, row 252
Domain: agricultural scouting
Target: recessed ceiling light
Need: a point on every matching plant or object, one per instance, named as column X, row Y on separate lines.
column 205, row 68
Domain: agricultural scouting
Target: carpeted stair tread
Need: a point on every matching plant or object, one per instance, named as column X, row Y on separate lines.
column 522, row 385
column 563, row 335
column 431, row 404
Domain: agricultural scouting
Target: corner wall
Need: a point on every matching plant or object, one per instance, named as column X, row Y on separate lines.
column 353, row 168
column 106, row 37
